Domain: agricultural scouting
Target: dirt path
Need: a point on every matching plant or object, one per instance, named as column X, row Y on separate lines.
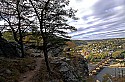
column 26, row 77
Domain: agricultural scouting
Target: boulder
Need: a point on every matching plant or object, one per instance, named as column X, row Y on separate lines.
column 8, row 71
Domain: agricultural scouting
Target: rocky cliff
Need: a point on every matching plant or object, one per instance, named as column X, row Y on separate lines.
column 72, row 69
column 63, row 70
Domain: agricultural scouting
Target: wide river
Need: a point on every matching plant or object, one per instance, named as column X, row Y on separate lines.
column 108, row 70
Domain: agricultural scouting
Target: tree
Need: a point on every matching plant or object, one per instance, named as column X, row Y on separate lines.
column 71, row 44
column 16, row 18
column 51, row 16
column 47, row 16
column 8, row 35
column 116, row 54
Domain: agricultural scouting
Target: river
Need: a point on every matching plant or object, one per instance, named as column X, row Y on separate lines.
column 114, row 72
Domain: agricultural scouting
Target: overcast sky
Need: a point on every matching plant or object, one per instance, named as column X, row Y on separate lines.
column 98, row 19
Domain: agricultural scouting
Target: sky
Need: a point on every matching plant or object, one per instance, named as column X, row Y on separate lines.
column 98, row 19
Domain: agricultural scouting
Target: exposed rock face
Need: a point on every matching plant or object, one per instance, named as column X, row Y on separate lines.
column 69, row 72
column 9, row 49
column 82, row 67
column 34, row 53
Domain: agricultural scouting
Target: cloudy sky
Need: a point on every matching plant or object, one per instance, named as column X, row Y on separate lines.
column 98, row 19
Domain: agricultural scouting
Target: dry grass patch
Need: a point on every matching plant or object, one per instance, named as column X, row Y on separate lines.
column 10, row 69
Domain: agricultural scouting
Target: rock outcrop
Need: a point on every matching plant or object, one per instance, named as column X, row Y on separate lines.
column 63, row 70
column 9, row 49
column 71, row 72
column 67, row 72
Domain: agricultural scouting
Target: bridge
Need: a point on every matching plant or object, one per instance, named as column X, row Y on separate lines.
column 99, row 66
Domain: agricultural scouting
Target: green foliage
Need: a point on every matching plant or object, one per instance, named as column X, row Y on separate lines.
column 116, row 54
column 2, row 79
column 8, row 35
column 122, row 55
column 90, row 79
column 34, row 38
column 106, row 77
column 102, row 48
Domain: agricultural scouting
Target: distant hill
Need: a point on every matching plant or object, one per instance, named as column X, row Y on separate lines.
column 80, row 42
column 115, row 44
column 104, row 39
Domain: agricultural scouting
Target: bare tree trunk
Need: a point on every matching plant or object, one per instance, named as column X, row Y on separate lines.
column 19, row 28
column 40, row 18
column 21, row 44
column 46, row 56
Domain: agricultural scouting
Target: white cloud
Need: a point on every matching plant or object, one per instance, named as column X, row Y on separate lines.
column 2, row 22
column 99, row 19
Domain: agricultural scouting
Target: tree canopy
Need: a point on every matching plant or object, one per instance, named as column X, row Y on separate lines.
column 49, row 17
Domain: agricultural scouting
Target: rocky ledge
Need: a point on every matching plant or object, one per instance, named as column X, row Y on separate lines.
column 70, row 72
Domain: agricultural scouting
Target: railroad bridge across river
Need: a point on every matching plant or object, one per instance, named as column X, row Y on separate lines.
column 99, row 66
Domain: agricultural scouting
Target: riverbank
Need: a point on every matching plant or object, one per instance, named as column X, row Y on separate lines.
column 118, row 65
column 115, row 68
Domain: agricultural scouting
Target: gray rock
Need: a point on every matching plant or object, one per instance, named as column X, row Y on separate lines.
column 8, row 71
column 54, row 80
column 67, row 72
column 64, row 67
